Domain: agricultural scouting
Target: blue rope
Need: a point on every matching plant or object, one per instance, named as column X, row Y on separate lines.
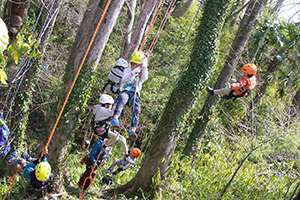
column 34, row 27
column 29, row 59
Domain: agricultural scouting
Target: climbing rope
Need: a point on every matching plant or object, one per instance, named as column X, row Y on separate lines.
column 157, row 11
column 162, row 24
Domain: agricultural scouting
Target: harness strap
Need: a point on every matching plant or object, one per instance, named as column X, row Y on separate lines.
column 112, row 84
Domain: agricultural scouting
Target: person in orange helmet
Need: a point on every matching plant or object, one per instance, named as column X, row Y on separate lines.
column 240, row 88
column 123, row 164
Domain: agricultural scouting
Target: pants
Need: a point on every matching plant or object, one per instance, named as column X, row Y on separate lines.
column 19, row 161
column 121, row 139
column 123, row 98
column 117, row 162
column 226, row 91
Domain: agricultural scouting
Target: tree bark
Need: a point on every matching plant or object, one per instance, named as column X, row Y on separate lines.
column 179, row 13
column 13, row 16
column 141, row 27
column 128, row 25
column 69, row 121
column 160, row 153
column 247, row 24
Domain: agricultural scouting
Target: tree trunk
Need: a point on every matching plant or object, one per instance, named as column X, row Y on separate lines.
column 179, row 13
column 140, row 29
column 13, row 16
column 248, row 22
column 128, row 26
column 69, row 121
column 161, row 150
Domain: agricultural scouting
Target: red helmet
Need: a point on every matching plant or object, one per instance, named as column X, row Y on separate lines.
column 249, row 69
column 136, row 152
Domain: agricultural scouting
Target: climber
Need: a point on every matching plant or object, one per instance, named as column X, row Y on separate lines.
column 132, row 81
column 37, row 173
column 4, row 143
column 113, row 84
column 122, row 163
column 241, row 88
column 90, row 160
column 103, row 114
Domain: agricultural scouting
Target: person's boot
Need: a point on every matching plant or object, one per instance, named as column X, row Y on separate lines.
column 210, row 91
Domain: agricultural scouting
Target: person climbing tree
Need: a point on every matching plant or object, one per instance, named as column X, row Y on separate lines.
column 113, row 84
column 132, row 81
column 90, row 160
column 103, row 114
column 37, row 172
column 122, row 163
column 4, row 143
column 241, row 88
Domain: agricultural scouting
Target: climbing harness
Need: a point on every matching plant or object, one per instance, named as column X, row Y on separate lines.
column 233, row 97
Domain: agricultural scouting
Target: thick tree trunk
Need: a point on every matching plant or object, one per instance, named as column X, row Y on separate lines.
column 128, row 26
column 70, row 119
column 161, row 150
column 13, row 16
column 179, row 13
column 141, row 26
column 248, row 22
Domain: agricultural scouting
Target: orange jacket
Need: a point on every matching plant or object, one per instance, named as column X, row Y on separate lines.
column 245, row 82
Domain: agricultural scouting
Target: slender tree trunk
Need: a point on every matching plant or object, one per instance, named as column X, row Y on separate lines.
column 13, row 16
column 69, row 121
column 128, row 25
column 248, row 22
column 160, row 153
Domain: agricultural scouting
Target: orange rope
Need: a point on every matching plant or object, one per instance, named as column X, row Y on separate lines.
column 152, row 23
column 13, row 177
column 45, row 150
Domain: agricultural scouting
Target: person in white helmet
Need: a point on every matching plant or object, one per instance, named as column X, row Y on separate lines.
column 113, row 84
column 103, row 115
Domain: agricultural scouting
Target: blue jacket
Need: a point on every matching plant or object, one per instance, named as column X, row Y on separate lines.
column 29, row 175
column 4, row 143
column 95, row 152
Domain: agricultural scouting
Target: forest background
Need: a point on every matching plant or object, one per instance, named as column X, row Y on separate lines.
column 212, row 149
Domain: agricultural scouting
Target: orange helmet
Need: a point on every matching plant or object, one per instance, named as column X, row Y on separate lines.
column 136, row 152
column 249, row 69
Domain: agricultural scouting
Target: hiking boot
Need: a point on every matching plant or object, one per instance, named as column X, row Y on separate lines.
column 14, row 154
column 132, row 135
column 115, row 123
column 108, row 171
column 129, row 159
column 210, row 91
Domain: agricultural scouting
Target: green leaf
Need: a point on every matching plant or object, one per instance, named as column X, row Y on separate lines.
column 3, row 37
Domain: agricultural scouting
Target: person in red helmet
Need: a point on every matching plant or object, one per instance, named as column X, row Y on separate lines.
column 123, row 164
column 240, row 88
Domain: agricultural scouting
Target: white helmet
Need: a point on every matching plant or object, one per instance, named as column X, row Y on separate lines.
column 122, row 63
column 105, row 98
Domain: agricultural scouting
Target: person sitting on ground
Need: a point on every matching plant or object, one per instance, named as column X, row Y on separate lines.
column 132, row 81
column 103, row 114
column 37, row 173
column 4, row 143
column 122, row 163
column 113, row 84
column 241, row 88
